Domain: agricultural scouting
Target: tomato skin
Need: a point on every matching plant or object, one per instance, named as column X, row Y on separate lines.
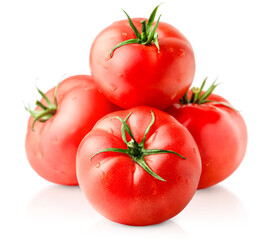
column 220, row 133
column 138, row 75
column 51, row 148
column 119, row 188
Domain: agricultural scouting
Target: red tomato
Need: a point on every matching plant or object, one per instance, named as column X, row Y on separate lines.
column 147, row 180
column 138, row 73
column 52, row 143
column 219, row 131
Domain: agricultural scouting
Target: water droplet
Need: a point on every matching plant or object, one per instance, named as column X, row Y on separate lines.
column 171, row 50
column 97, row 165
column 194, row 150
column 39, row 155
column 119, row 75
column 113, row 88
column 87, row 88
column 102, row 174
column 124, row 34
column 110, row 130
column 187, row 181
column 173, row 96
column 153, row 189
column 181, row 52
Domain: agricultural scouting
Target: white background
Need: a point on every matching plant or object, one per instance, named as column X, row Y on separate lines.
column 43, row 40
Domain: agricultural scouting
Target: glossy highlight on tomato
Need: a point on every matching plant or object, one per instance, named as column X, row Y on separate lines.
column 117, row 182
column 58, row 125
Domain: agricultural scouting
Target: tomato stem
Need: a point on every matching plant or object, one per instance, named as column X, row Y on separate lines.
column 144, row 31
column 147, row 37
column 136, row 151
column 46, row 112
column 197, row 97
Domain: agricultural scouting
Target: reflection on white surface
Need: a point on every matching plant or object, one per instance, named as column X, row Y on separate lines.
column 59, row 202
column 66, row 212
column 216, row 204
column 165, row 230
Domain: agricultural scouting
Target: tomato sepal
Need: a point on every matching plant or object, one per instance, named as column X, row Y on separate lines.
column 197, row 97
column 147, row 36
column 136, row 151
column 46, row 112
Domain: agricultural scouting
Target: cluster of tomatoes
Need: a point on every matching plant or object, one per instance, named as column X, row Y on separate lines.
column 133, row 135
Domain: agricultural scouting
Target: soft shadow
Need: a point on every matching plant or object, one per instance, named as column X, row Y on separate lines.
column 215, row 204
column 59, row 202
column 166, row 230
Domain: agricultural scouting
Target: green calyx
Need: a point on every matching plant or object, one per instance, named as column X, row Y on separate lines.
column 46, row 112
column 197, row 97
column 148, row 34
column 136, row 150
